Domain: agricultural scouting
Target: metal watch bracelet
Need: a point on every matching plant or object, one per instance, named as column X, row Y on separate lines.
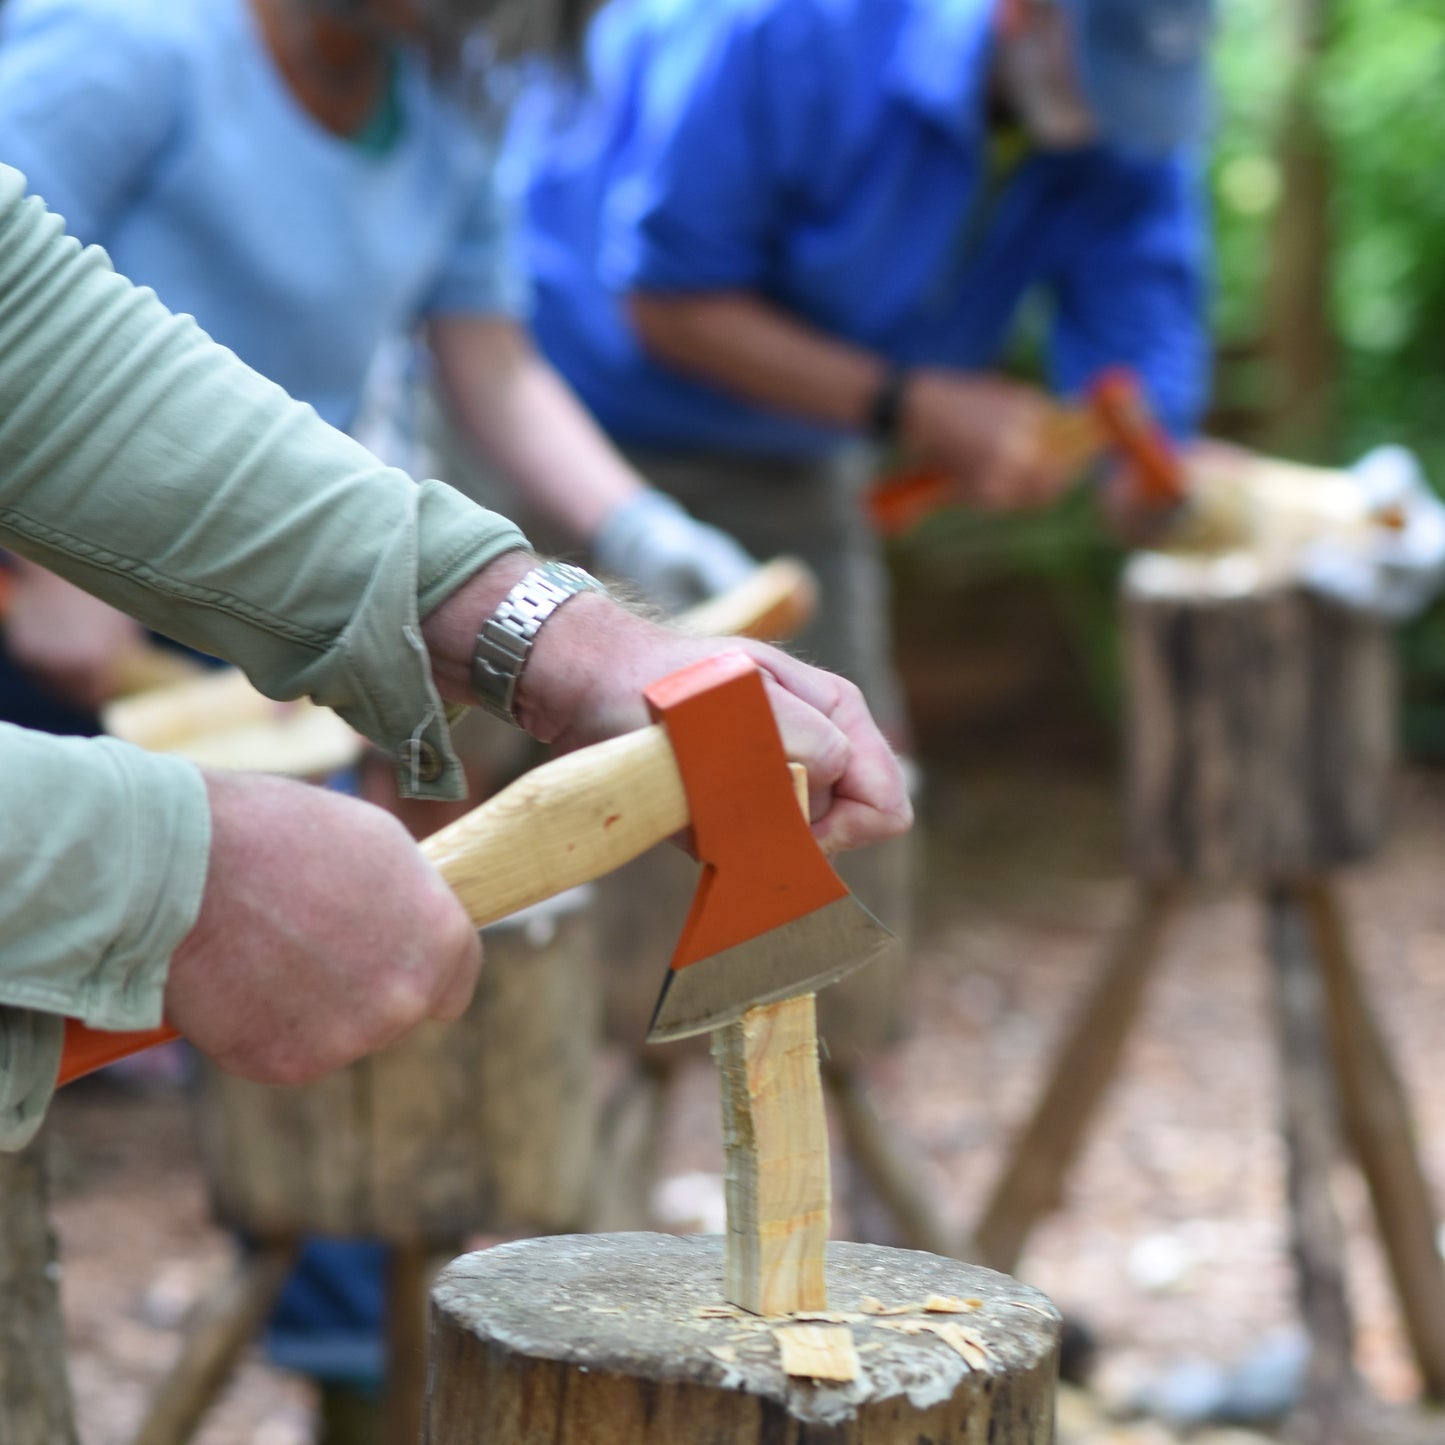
column 506, row 637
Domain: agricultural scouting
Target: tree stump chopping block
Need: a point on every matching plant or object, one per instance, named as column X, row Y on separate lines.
column 1261, row 724
column 624, row 1339
column 483, row 1123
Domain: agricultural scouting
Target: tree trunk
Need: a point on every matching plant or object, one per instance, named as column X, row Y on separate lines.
column 1299, row 331
column 625, row 1339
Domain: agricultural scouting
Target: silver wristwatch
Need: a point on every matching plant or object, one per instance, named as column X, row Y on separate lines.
column 506, row 637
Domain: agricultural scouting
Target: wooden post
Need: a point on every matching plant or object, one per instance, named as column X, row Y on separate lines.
column 624, row 1339
column 35, row 1403
column 216, row 1333
column 1308, row 1122
column 1031, row 1183
column 1380, row 1131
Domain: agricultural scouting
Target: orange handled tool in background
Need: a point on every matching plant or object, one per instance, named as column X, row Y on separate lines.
column 1114, row 417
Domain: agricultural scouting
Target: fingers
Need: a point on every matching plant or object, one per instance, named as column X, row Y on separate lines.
column 857, row 792
column 323, row 934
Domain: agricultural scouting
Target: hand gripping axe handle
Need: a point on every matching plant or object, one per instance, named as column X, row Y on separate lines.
column 714, row 764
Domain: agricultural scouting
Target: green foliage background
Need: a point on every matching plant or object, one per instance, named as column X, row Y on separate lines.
column 1379, row 90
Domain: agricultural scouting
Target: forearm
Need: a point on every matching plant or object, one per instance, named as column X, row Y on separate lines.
column 523, row 419
column 754, row 350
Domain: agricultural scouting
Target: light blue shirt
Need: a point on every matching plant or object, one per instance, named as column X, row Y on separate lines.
column 162, row 131
column 832, row 156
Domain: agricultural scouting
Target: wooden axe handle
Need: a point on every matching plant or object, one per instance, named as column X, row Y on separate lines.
column 773, row 604
column 558, row 826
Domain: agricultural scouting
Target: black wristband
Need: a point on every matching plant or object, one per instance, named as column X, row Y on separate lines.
column 885, row 411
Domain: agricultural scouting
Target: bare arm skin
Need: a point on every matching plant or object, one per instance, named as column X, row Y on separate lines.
column 985, row 431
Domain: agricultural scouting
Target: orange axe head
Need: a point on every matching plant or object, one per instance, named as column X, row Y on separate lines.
column 770, row 918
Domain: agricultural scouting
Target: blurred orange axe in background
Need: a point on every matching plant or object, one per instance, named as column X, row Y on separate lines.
column 1115, row 416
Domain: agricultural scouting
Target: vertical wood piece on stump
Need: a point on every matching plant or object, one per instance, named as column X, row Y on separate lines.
column 1261, row 725
column 776, row 1180
column 35, row 1402
column 775, row 1138
column 622, row 1339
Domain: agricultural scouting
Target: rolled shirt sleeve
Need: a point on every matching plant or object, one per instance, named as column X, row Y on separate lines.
column 146, row 464
column 103, row 850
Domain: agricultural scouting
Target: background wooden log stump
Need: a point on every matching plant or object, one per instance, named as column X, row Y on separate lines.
column 486, row 1123
column 623, row 1339
column 1261, row 724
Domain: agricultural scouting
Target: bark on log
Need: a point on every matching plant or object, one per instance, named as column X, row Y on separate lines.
column 487, row 1123
column 35, row 1402
column 1261, row 727
column 625, row 1340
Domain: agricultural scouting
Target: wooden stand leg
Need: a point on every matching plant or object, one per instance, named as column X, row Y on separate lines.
column 410, row 1270
column 218, row 1330
column 623, row 1339
column 35, row 1403
column 1031, row 1183
column 1379, row 1129
column 873, row 1150
column 1308, row 1118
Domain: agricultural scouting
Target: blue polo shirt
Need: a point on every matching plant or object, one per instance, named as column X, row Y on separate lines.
column 163, row 131
column 833, row 156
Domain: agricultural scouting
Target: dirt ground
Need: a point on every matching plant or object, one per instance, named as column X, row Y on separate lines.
column 1172, row 1244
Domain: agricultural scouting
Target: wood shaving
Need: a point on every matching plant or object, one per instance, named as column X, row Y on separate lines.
column 973, row 1349
column 904, row 1327
column 725, row 1353
column 716, row 1312
column 818, row 1352
column 828, row 1317
column 1024, row 1304
column 950, row 1304
column 871, row 1306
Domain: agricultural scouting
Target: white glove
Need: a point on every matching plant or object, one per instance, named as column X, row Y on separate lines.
column 1401, row 570
column 677, row 560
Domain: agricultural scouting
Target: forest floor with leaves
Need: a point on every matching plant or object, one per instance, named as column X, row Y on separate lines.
column 1172, row 1246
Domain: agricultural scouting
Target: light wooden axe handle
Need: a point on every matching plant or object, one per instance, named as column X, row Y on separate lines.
column 772, row 604
column 558, row 826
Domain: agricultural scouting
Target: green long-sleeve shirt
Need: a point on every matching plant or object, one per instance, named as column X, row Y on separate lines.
column 148, row 465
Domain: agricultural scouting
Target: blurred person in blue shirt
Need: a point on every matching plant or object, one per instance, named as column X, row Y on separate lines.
column 763, row 232
column 775, row 243
column 309, row 178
